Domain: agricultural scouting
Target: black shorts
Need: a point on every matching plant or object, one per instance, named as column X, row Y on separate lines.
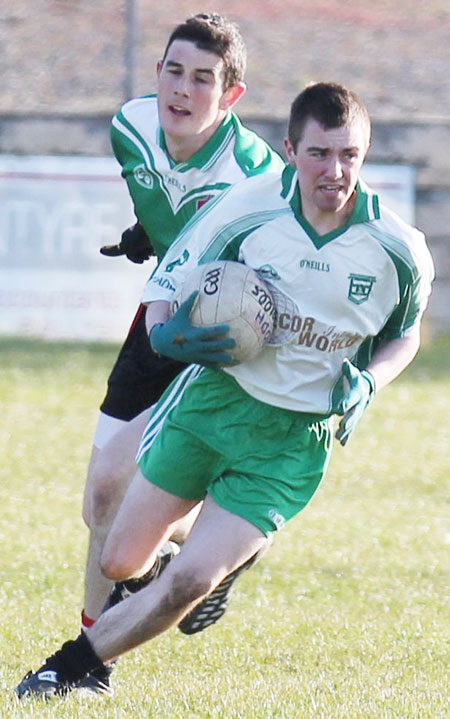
column 139, row 376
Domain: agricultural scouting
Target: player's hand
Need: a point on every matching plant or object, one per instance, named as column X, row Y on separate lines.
column 354, row 400
column 134, row 244
column 180, row 339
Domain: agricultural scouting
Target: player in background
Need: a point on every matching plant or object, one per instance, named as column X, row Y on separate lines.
column 178, row 149
column 253, row 441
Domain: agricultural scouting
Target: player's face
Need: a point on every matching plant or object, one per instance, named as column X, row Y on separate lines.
column 328, row 164
column 191, row 100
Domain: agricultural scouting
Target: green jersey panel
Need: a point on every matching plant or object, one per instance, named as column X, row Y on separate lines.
column 165, row 194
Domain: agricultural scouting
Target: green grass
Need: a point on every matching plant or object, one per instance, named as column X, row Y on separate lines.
column 347, row 617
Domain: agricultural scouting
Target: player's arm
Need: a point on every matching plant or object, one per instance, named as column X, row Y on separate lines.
column 178, row 338
column 135, row 242
column 402, row 332
column 389, row 360
column 392, row 357
column 157, row 313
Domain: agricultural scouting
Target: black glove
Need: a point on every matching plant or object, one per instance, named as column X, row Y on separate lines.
column 134, row 244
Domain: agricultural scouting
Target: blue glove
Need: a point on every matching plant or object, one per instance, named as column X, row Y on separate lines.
column 180, row 339
column 353, row 402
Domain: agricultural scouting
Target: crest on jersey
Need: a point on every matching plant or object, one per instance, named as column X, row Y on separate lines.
column 143, row 177
column 360, row 288
column 267, row 271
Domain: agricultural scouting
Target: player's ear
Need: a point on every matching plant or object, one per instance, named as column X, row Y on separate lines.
column 231, row 96
column 289, row 151
column 159, row 65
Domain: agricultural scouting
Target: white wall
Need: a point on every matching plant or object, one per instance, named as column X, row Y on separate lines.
column 55, row 214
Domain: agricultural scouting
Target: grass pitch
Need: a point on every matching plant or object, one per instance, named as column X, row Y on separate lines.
column 347, row 617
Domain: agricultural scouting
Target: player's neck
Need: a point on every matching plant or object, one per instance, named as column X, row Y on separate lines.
column 181, row 149
column 325, row 222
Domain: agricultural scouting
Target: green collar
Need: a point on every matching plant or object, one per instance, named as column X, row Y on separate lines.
column 208, row 152
column 366, row 207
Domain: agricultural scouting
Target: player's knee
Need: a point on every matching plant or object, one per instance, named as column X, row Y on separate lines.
column 111, row 569
column 105, row 495
column 117, row 566
column 188, row 586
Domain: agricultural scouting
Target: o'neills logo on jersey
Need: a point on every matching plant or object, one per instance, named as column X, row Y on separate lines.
column 314, row 265
column 172, row 181
column 143, row 177
column 360, row 288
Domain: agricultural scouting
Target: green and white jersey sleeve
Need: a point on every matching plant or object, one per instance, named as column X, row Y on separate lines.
column 166, row 194
column 338, row 295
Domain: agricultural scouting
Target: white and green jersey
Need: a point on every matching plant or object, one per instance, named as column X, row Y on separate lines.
column 338, row 294
column 166, row 194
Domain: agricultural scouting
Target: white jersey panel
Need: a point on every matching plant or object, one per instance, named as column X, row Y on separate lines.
column 342, row 289
column 211, row 222
column 329, row 324
column 408, row 244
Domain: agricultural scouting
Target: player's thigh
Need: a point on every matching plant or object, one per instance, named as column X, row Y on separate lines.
column 107, row 427
column 145, row 520
column 184, row 525
column 112, row 468
column 117, row 459
column 87, row 497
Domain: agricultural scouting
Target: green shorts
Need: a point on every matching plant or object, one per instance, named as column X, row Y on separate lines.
column 206, row 435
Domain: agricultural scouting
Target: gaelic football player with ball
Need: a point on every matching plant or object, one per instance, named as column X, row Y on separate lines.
column 252, row 441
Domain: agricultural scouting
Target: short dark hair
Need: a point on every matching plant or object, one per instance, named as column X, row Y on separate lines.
column 214, row 33
column 329, row 104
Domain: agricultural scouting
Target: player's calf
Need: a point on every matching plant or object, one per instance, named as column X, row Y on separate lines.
column 214, row 606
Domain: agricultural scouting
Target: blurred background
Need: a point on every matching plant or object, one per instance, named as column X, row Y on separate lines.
column 68, row 65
